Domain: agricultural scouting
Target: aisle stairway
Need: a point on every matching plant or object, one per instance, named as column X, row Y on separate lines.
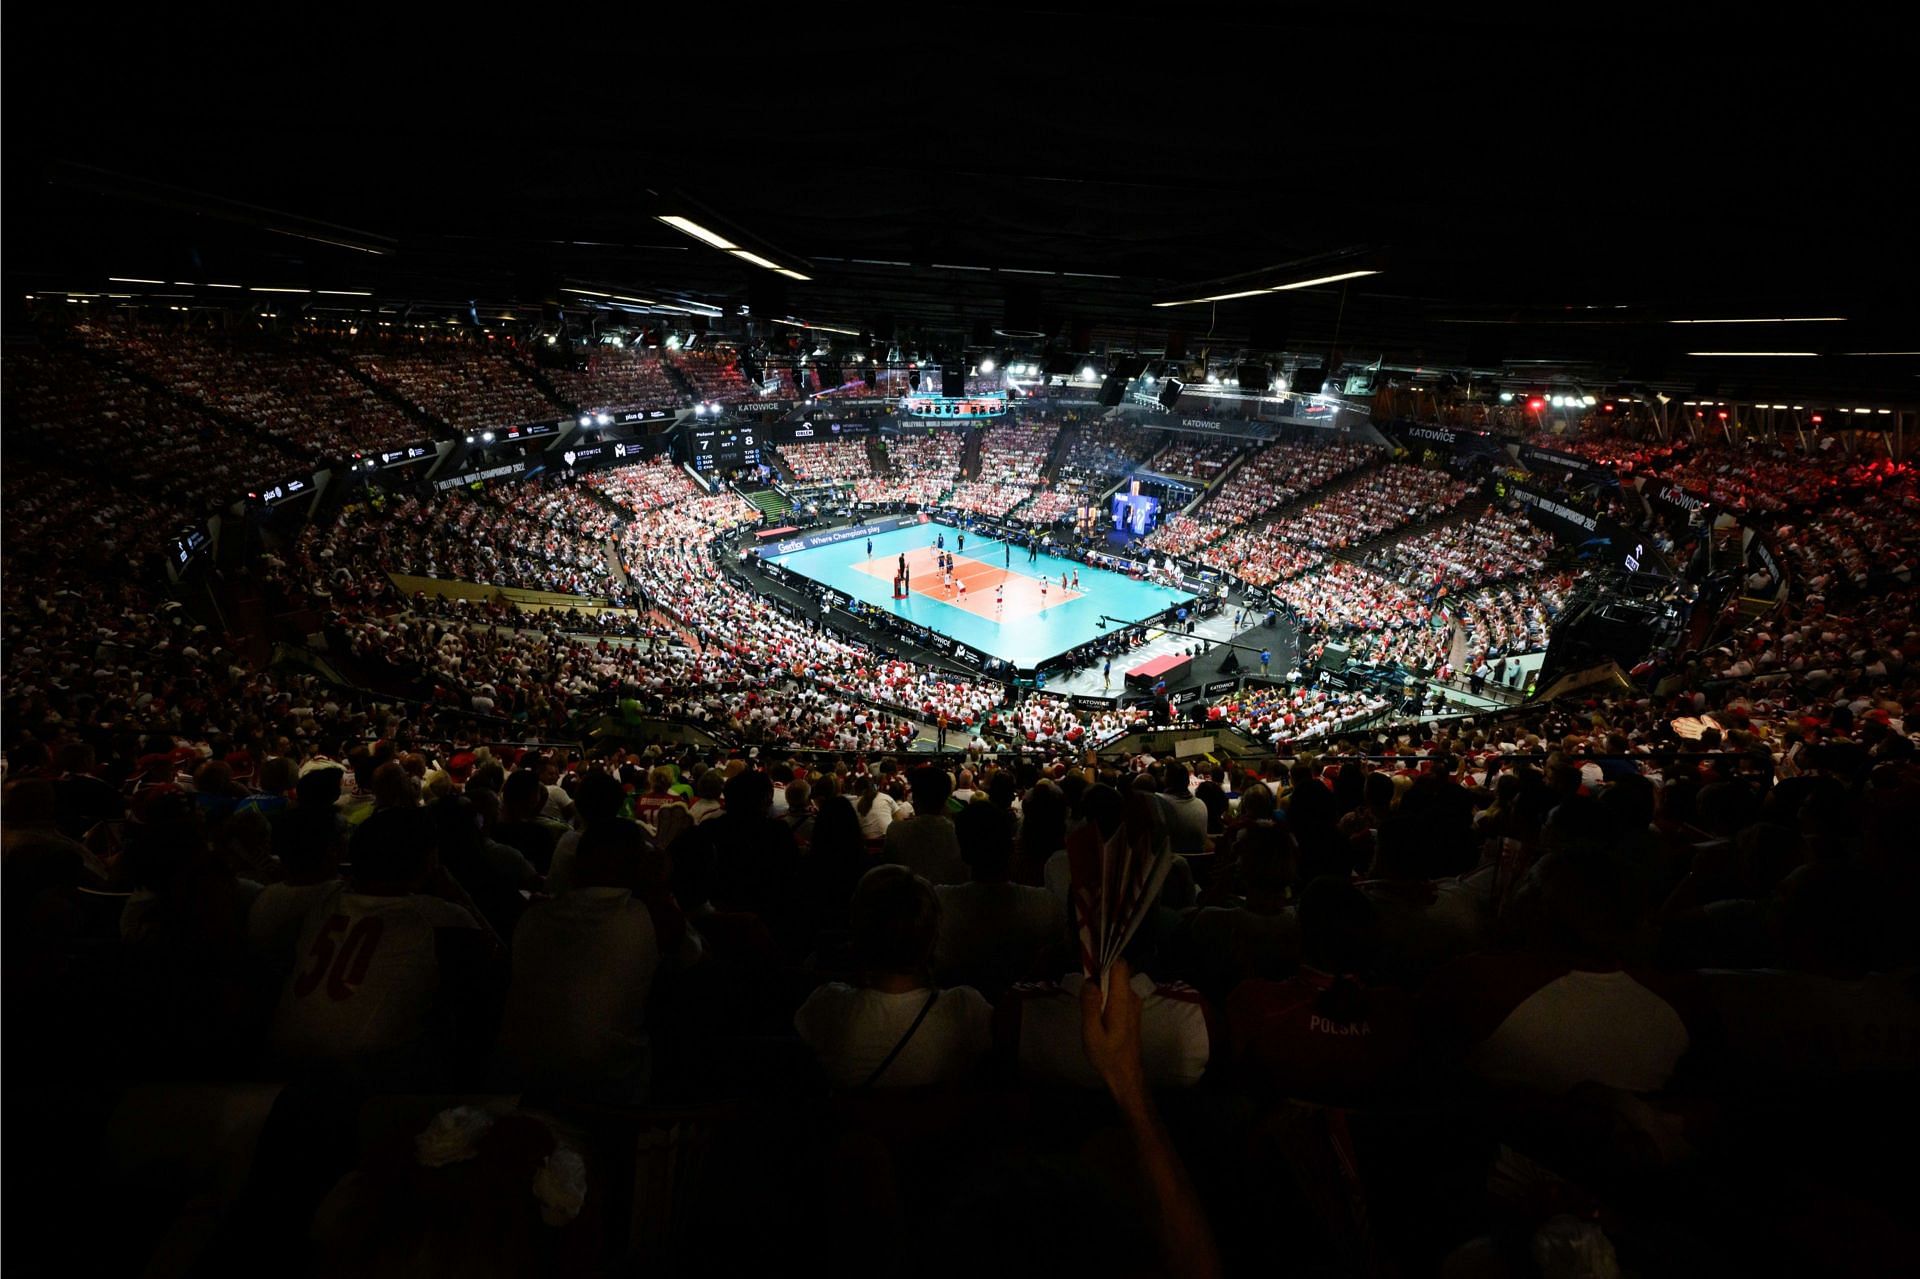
column 1062, row 445
column 970, row 456
column 771, row 502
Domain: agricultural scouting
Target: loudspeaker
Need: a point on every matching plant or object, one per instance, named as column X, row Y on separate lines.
column 1170, row 393
column 1310, row 381
column 1334, row 657
column 1113, row 390
column 1231, row 665
column 1255, row 378
column 953, row 377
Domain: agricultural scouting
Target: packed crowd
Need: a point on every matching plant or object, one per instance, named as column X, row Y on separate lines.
column 1201, row 460
column 1557, row 1003
column 1259, row 558
column 1749, row 478
column 183, row 461
column 294, row 395
column 554, row 540
column 618, row 378
column 1286, row 717
column 465, row 386
column 1016, row 452
column 1512, row 616
column 922, row 466
column 715, row 376
column 827, row 461
column 1378, row 503
column 1493, row 545
column 1056, row 502
column 1279, row 474
column 1183, row 535
column 1555, row 998
column 1102, row 450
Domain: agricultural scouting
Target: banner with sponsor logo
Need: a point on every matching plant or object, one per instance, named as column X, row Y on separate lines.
column 1675, row 497
column 1447, row 441
column 969, row 656
column 789, row 432
column 592, row 454
column 287, row 490
column 1087, row 702
column 411, row 453
column 481, row 477
column 1220, row 687
column 1760, row 553
column 1535, row 458
column 1556, row 516
column 807, row 541
column 532, row 430
column 1301, row 417
column 191, row 542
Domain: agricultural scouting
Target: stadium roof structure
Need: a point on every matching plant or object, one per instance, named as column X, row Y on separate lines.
column 1519, row 194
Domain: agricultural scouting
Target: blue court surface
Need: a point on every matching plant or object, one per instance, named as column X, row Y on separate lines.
column 1017, row 625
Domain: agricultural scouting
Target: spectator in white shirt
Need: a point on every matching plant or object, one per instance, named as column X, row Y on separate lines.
column 876, row 809
column 386, row 974
column 991, row 929
column 583, row 964
column 896, row 1029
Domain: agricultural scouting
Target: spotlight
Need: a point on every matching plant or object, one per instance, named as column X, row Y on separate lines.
column 486, row 437
column 605, row 419
column 469, row 438
column 1588, row 400
column 699, row 410
column 585, row 420
column 1506, row 397
column 1088, row 375
column 552, row 340
column 986, row 364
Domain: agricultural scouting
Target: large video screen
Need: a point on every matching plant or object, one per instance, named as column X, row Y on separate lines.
column 1136, row 513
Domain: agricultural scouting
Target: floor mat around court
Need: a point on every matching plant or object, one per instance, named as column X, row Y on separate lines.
column 1019, row 622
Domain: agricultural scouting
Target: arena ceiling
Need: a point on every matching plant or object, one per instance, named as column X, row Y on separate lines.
column 1541, row 196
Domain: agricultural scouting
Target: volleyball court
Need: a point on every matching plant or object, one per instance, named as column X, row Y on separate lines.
column 974, row 584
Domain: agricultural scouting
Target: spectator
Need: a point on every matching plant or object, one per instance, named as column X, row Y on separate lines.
column 583, row 964
column 925, row 843
column 1324, row 1033
column 896, row 1029
column 991, row 929
column 389, row 977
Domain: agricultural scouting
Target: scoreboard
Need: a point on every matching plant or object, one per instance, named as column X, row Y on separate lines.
column 723, row 448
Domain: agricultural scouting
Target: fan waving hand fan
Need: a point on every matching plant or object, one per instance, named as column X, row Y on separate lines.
column 1117, row 868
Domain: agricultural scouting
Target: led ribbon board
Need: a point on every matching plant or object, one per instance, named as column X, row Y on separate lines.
column 957, row 407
